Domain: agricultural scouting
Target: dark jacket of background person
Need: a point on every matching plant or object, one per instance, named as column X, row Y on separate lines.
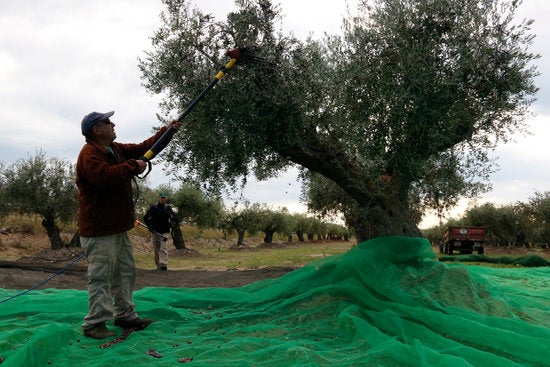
column 105, row 203
column 159, row 216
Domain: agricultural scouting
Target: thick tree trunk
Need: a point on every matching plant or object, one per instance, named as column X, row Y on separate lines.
column 53, row 231
column 268, row 237
column 177, row 238
column 240, row 238
column 386, row 216
column 300, row 236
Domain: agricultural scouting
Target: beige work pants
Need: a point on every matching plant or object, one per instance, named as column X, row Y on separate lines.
column 111, row 277
column 161, row 249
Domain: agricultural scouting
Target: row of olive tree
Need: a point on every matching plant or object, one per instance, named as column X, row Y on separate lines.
column 206, row 211
column 45, row 186
column 257, row 218
column 520, row 224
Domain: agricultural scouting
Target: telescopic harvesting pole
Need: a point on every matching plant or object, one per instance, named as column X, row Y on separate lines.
column 138, row 223
column 235, row 55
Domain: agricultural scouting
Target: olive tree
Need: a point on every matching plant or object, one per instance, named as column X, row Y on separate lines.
column 195, row 207
column 536, row 212
column 245, row 219
column 502, row 222
column 300, row 226
column 275, row 221
column 43, row 186
column 409, row 100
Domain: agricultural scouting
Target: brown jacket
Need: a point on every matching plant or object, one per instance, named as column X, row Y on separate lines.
column 104, row 181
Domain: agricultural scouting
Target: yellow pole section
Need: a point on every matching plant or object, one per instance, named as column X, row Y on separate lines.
column 229, row 65
column 149, row 154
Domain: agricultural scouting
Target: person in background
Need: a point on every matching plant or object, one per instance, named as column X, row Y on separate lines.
column 158, row 219
column 104, row 171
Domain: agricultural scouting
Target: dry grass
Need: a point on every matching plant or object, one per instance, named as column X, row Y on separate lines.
column 204, row 253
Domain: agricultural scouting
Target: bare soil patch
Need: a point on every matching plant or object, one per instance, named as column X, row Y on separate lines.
column 27, row 261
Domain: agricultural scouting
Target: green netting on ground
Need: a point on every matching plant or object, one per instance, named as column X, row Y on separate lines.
column 387, row 302
column 529, row 260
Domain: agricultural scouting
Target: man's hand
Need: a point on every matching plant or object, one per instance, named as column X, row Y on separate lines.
column 175, row 124
column 142, row 165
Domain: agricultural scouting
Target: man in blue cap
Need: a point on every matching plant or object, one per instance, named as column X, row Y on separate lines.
column 104, row 171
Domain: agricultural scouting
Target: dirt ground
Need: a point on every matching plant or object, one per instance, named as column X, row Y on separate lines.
column 16, row 275
column 26, row 262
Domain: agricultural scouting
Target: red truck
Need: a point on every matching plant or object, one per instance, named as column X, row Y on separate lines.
column 464, row 239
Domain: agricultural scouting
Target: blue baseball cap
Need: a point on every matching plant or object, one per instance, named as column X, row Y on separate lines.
column 91, row 119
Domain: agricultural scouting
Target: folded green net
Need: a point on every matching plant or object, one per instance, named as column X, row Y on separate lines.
column 527, row 260
column 387, row 302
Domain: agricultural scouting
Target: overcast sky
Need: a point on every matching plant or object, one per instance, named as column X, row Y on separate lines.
column 60, row 59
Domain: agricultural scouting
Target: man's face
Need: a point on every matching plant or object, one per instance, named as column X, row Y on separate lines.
column 105, row 129
column 162, row 199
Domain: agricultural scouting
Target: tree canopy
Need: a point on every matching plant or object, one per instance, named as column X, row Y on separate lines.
column 195, row 206
column 399, row 112
column 519, row 224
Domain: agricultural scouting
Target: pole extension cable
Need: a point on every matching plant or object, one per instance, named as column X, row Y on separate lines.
column 45, row 281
